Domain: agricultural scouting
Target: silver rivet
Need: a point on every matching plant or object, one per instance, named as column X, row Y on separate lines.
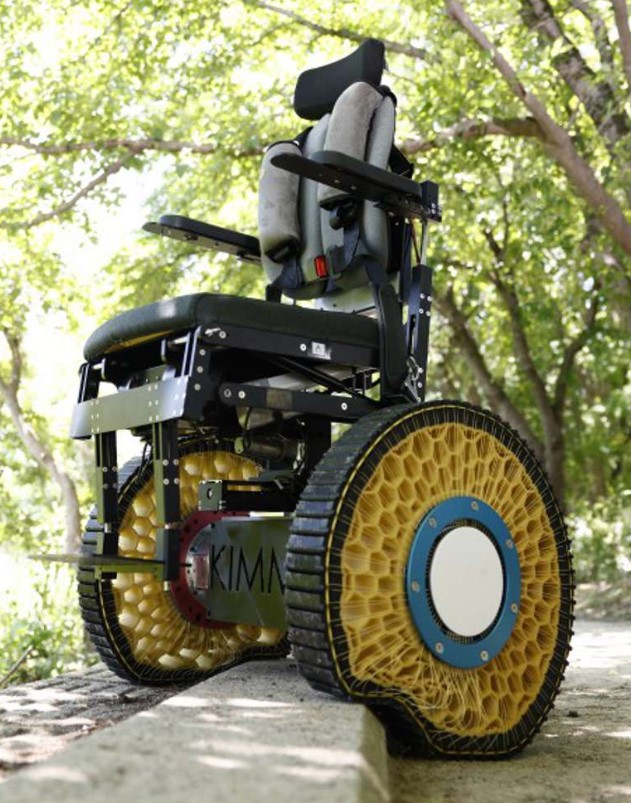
column 165, row 481
column 176, row 462
column 514, row 607
column 416, row 586
column 509, row 543
column 475, row 506
column 176, row 481
column 223, row 335
column 197, row 387
column 200, row 369
column 433, row 522
column 242, row 394
column 202, row 352
column 344, row 406
column 484, row 655
column 439, row 647
column 303, row 347
column 165, row 462
column 227, row 393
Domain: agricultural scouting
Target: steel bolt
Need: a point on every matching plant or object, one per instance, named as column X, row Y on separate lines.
column 416, row 586
column 484, row 655
column 514, row 607
column 439, row 647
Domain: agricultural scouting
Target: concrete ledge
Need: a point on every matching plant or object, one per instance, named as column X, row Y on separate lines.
column 256, row 732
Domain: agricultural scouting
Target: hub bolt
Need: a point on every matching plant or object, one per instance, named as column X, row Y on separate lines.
column 439, row 647
column 484, row 655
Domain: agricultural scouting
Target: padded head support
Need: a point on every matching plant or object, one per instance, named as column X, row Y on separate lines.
column 318, row 89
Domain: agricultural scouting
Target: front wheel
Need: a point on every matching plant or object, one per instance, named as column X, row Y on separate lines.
column 429, row 576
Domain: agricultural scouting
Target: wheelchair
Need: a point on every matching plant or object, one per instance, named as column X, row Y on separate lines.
column 418, row 562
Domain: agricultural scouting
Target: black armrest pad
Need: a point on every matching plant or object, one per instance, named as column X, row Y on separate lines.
column 213, row 237
column 392, row 192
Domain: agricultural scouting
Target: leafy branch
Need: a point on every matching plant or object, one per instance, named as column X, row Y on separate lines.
column 557, row 141
column 341, row 33
column 468, row 129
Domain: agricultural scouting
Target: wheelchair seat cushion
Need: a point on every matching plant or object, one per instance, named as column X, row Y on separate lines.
column 207, row 309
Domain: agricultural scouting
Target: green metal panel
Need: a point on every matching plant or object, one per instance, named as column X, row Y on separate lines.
column 150, row 403
column 236, row 568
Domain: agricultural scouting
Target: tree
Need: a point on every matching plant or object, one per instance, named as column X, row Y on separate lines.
column 518, row 109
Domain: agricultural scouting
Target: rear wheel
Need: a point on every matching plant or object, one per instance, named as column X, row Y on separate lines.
column 140, row 627
column 429, row 576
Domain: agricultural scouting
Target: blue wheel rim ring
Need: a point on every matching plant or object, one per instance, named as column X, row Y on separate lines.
column 446, row 646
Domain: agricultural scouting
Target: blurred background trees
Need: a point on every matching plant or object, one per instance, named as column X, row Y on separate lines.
column 113, row 114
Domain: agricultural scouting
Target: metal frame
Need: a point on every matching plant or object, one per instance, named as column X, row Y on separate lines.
column 179, row 382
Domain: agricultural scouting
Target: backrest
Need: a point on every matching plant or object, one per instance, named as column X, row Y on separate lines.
column 302, row 252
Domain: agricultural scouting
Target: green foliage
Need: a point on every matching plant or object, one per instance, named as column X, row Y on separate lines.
column 41, row 624
column 602, row 544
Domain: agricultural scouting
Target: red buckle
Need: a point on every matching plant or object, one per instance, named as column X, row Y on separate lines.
column 320, row 267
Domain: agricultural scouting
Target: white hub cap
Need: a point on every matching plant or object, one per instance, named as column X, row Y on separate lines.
column 466, row 581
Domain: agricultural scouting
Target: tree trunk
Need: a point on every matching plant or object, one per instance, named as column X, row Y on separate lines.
column 37, row 449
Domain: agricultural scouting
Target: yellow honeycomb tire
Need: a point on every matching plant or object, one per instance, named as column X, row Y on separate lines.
column 132, row 619
column 356, row 628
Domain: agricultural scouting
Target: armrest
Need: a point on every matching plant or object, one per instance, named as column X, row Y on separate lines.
column 364, row 181
column 215, row 238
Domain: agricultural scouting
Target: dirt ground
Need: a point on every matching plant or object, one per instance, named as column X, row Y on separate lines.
column 582, row 755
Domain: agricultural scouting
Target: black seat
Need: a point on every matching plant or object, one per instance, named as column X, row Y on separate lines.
column 207, row 309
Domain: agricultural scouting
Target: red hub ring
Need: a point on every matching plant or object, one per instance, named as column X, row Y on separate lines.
column 185, row 601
